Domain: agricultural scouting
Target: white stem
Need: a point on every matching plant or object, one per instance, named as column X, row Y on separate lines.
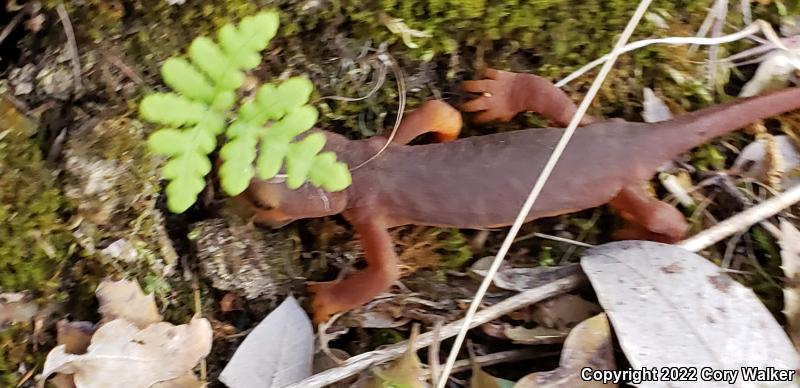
column 750, row 30
column 742, row 220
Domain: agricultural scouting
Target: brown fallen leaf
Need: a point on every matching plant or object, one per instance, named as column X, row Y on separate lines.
column 587, row 346
column 122, row 355
column 564, row 311
column 790, row 262
column 75, row 336
column 125, row 299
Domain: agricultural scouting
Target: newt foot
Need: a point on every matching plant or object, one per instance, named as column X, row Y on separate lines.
column 499, row 98
column 324, row 303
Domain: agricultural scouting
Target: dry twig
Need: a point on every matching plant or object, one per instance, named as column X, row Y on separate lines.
column 72, row 46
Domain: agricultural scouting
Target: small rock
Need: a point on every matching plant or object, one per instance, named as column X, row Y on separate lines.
column 239, row 257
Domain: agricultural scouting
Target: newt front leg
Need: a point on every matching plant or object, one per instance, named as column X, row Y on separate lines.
column 433, row 116
column 503, row 94
column 357, row 289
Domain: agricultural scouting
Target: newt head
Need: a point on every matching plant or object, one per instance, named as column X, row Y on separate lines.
column 275, row 205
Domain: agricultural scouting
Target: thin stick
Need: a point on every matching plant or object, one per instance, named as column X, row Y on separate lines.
column 12, row 24
column 537, row 188
column 356, row 364
column 750, row 30
column 721, row 13
column 72, row 46
column 433, row 353
column 554, row 238
column 742, row 220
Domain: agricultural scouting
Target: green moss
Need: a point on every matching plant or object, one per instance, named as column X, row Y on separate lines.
column 13, row 351
column 32, row 239
column 33, row 242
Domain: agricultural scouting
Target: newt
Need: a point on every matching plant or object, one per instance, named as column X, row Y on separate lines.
column 482, row 181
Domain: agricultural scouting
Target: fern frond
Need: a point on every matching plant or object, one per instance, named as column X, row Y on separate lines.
column 196, row 113
column 275, row 117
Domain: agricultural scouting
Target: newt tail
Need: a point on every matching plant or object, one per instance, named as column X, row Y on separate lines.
column 482, row 181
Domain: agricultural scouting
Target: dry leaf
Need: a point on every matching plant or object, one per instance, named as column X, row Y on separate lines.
column 672, row 307
column 75, row 336
column 125, row 299
column 16, row 307
column 404, row 372
column 564, row 311
column 790, row 262
column 772, row 73
column 587, row 346
column 754, row 161
column 288, row 336
column 122, row 355
column 537, row 336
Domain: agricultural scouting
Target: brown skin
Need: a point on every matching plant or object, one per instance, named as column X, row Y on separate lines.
column 482, row 181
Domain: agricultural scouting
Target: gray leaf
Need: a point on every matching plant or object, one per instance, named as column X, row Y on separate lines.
column 278, row 352
column 671, row 307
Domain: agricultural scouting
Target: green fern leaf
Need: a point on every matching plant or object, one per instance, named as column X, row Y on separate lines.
column 186, row 164
column 167, row 142
column 271, row 157
column 241, row 148
column 182, row 192
column 197, row 113
column 234, row 176
column 252, row 113
column 210, row 58
column 212, row 122
column 232, row 41
column 224, row 101
column 205, row 91
column 262, row 27
column 180, row 75
column 171, row 109
column 294, row 123
column 328, row 173
column 277, row 101
column 243, row 129
column 300, row 157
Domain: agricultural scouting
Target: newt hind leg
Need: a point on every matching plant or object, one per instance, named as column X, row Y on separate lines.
column 359, row 288
column 647, row 218
column 434, row 116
